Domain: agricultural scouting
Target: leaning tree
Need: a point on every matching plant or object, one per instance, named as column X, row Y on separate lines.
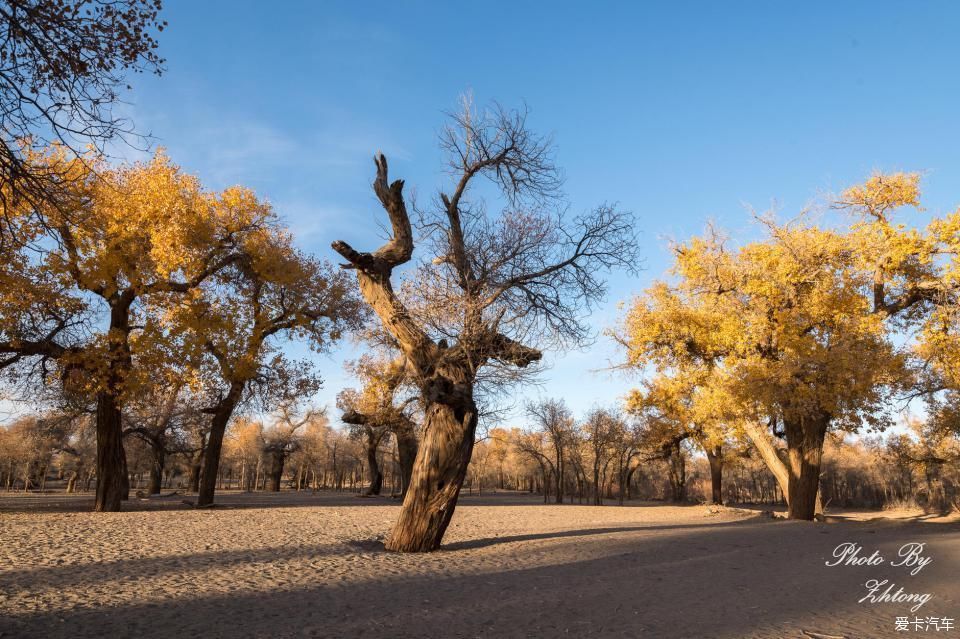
column 495, row 290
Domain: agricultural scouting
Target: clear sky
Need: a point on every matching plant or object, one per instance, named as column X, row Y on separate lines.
column 680, row 112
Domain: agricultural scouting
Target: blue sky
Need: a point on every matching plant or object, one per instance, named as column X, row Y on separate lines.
column 680, row 112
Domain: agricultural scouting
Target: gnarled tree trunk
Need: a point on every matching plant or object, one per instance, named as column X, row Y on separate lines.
column 804, row 453
column 445, row 375
column 438, row 473
column 797, row 474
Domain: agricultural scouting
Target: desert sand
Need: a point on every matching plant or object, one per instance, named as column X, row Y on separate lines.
column 304, row 565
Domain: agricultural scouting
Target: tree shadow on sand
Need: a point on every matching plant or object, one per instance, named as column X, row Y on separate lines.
column 723, row 581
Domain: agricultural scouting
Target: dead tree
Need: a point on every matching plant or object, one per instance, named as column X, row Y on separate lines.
column 496, row 290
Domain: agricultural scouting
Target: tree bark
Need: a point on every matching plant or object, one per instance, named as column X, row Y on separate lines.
column 715, row 457
column 804, row 452
column 110, row 458
column 438, row 473
column 218, row 426
column 112, row 484
column 678, row 473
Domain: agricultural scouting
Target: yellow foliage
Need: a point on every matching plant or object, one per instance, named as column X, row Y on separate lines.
column 778, row 326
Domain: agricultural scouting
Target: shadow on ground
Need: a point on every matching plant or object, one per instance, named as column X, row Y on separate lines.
column 730, row 580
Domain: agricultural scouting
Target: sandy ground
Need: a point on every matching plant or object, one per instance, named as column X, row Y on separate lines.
column 306, row 565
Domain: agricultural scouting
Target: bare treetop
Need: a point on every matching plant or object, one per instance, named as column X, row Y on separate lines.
column 61, row 75
column 493, row 290
column 520, row 162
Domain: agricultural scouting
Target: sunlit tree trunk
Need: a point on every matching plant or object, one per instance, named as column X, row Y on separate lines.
column 438, row 473
column 72, row 482
column 214, row 447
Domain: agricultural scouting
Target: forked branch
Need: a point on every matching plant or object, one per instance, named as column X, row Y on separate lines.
column 399, row 249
